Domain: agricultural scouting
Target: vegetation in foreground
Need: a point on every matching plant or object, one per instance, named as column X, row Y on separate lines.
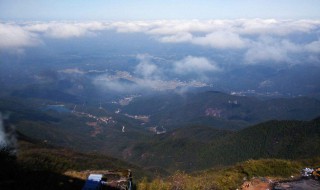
column 231, row 177
column 38, row 165
column 45, row 166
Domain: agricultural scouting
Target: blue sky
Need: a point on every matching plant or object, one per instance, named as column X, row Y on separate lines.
column 157, row 9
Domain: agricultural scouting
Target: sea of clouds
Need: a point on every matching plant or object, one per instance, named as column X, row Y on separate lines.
column 260, row 39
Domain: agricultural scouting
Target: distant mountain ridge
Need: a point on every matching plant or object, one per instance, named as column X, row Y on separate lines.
column 221, row 110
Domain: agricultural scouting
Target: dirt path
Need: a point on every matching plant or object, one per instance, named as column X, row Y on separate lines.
column 257, row 184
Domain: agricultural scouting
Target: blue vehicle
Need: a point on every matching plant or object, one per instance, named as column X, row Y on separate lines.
column 94, row 182
column 118, row 179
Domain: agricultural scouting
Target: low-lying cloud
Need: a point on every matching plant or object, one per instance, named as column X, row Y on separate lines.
column 146, row 68
column 8, row 140
column 313, row 47
column 147, row 75
column 195, row 65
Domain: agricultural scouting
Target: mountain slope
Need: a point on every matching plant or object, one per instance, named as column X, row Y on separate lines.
column 273, row 139
column 39, row 165
column 198, row 146
column 260, row 174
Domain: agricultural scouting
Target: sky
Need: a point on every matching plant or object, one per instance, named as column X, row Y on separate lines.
column 157, row 9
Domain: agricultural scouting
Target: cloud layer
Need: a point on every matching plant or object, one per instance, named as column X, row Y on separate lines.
column 260, row 40
column 15, row 36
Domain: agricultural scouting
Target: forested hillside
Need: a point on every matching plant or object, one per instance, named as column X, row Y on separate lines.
column 220, row 110
column 190, row 147
column 273, row 139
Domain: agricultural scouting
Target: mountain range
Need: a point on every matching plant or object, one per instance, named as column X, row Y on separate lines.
column 196, row 131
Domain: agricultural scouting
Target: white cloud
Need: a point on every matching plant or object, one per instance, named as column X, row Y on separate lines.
column 108, row 84
column 223, row 34
column 181, row 37
column 13, row 36
column 313, row 47
column 239, row 26
column 36, row 27
column 260, row 39
column 145, row 68
column 93, row 26
column 150, row 76
column 17, row 36
column 197, row 65
column 221, row 40
column 173, row 27
column 65, row 29
column 134, row 84
column 131, row 26
column 267, row 49
column 275, row 27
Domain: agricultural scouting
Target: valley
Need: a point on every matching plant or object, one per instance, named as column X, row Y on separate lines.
column 205, row 134
column 190, row 132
